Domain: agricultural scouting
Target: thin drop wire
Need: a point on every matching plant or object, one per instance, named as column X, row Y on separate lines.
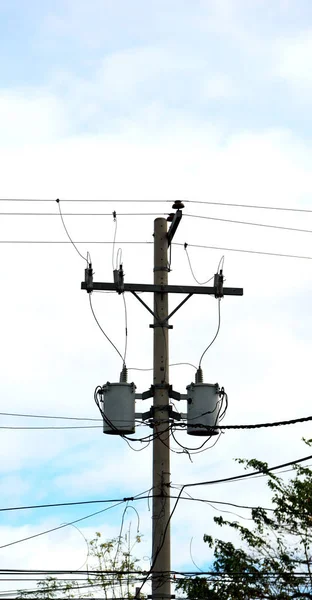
column 216, row 334
column 87, row 544
column 178, row 364
column 221, row 262
column 126, row 328
column 118, row 258
column 191, row 268
column 108, row 339
column 67, row 233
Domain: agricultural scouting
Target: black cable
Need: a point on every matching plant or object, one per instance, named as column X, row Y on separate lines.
column 216, row 334
column 109, row 340
column 253, row 425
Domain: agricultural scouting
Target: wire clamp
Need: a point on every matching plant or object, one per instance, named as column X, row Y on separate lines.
column 119, row 280
column 163, row 324
column 89, row 279
column 218, row 285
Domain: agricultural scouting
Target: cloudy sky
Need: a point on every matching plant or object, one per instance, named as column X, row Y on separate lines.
column 206, row 101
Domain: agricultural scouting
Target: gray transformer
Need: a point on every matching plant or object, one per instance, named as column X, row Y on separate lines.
column 203, row 407
column 119, row 408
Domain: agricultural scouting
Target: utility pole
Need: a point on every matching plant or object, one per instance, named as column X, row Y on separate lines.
column 118, row 399
column 161, row 584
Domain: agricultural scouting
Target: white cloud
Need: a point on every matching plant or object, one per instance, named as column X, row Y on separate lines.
column 294, row 63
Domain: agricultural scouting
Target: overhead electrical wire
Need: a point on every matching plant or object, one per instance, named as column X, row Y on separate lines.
column 252, row 425
column 31, row 416
column 164, row 200
column 31, row 537
column 212, row 482
column 251, row 223
column 138, row 242
column 176, row 426
column 245, row 251
column 80, row 214
column 140, row 214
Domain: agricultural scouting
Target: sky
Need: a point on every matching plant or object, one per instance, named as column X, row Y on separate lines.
column 205, row 101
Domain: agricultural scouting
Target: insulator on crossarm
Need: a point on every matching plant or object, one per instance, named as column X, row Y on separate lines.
column 199, row 377
column 124, row 375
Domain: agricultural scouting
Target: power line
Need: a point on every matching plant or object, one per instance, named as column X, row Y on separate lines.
column 55, row 427
column 80, row 214
column 68, row 242
column 164, row 200
column 235, row 222
column 31, row 537
column 120, row 500
column 177, row 426
column 78, row 503
column 251, row 426
column 31, row 416
column 244, row 251
column 136, row 242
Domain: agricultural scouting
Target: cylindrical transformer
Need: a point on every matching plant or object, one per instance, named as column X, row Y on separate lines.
column 202, row 408
column 119, row 408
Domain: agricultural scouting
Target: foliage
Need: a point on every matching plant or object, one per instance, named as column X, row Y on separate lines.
column 274, row 558
column 111, row 564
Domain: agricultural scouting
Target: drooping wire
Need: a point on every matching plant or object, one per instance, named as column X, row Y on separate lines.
column 178, row 364
column 216, row 334
column 108, row 339
column 86, row 258
column 126, row 328
column 191, row 268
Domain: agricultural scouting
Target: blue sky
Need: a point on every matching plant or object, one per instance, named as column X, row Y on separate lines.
column 207, row 101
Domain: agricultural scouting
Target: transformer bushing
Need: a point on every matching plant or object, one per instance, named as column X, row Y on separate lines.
column 203, row 407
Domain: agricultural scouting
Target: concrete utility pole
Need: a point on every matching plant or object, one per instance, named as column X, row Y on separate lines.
column 161, row 415
column 161, row 443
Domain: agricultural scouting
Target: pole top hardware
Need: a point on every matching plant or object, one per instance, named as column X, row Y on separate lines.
column 177, row 204
column 172, row 414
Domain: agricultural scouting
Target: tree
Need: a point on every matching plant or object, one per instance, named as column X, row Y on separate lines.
column 112, row 571
column 273, row 560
